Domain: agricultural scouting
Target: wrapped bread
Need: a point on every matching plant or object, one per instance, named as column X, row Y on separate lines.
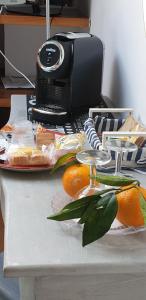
column 45, row 136
column 27, row 156
column 138, row 140
column 73, row 142
column 131, row 124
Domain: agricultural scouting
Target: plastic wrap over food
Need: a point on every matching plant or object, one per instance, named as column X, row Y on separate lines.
column 27, row 156
column 55, row 154
column 131, row 124
column 45, row 136
column 23, row 134
column 71, row 142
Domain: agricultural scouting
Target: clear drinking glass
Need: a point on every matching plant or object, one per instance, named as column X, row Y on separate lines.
column 120, row 147
column 93, row 158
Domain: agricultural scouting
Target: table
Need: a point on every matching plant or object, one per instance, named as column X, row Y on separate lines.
column 50, row 261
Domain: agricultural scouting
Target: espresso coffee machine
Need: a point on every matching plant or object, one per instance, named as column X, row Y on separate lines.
column 69, row 76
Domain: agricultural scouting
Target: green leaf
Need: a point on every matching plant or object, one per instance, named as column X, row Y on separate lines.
column 89, row 212
column 77, row 208
column 143, row 207
column 68, row 215
column 80, row 202
column 101, row 220
column 113, row 180
column 64, row 160
column 71, row 163
column 93, row 204
column 72, row 210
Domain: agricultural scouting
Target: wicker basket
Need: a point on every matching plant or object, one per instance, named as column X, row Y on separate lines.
column 98, row 128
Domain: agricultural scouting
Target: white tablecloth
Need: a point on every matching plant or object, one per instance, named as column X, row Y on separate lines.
column 113, row 268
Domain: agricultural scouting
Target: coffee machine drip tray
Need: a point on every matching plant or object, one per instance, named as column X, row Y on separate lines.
column 49, row 113
column 73, row 125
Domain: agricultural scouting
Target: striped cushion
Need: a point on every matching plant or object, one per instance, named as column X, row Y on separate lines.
column 92, row 136
column 102, row 124
column 106, row 124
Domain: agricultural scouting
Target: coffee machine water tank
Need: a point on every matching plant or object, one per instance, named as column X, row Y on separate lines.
column 69, row 76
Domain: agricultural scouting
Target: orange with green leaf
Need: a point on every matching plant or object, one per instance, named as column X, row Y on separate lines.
column 130, row 206
column 124, row 200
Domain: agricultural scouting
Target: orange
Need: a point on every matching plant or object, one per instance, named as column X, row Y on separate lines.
column 129, row 210
column 75, row 178
column 143, row 191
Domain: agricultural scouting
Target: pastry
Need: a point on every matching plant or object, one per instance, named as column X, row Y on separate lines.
column 45, row 136
column 27, row 156
column 131, row 124
column 38, row 158
column 18, row 159
column 73, row 142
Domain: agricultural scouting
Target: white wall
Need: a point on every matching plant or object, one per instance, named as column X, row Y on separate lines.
column 120, row 25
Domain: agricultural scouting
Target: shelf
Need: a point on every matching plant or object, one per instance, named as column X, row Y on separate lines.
column 13, row 19
column 5, row 95
column 40, row 21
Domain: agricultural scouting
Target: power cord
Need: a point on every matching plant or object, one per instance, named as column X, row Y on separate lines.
column 3, row 9
column 58, row 14
column 29, row 8
column 18, row 71
column 61, row 8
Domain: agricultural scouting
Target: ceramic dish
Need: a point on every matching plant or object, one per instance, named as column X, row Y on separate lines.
column 4, row 165
column 7, row 166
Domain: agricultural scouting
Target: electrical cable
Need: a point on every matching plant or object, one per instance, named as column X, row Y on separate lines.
column 58, row 14
column 3, row 9
column 8, row 61
column 30, row 8
column 61, row 9
column 18, row 71
column 52, row 18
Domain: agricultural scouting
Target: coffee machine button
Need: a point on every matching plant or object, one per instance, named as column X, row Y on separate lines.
column 50, row 56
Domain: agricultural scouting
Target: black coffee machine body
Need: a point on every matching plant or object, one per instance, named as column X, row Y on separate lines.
column 69, row 76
